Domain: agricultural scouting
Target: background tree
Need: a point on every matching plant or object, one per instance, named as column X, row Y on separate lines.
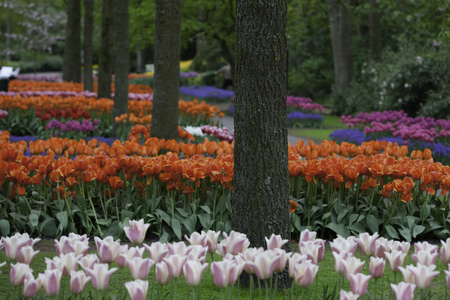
column 87, row 45
column 105, row 64
column 122, row 53
column 72, row 48
column 167, row 69
column 261, row 181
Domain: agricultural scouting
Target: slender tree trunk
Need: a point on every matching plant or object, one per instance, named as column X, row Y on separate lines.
column 87, row 45
column 105, row 63
column 72, row 49
column 122, row 57
column 140, row 61
column 167, row 69
column 8, row 36
column 260, row 202
column 374, row 29
column 345, row 65
column 333, row 12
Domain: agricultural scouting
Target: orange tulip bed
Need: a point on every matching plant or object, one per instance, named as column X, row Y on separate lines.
column 179, row 186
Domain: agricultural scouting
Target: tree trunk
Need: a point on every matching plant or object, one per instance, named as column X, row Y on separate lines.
column 72, row 49
column 260, row 202
column 140, row 61
column 333, row 12
column 374, row 29
column 122, row 57
column 105, row 63
column 87, row 45
column 8, row 36
column 167, row 69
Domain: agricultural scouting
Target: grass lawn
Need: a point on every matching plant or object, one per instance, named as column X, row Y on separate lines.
column 177, row 289
column 330, row 124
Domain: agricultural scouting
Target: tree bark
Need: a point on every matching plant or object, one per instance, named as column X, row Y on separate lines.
column 122, row 57
column 374, row 29
column 333, row 12
column 345, row 65
column 87, row 45
column 72, row 48
column 105, row 63
column 8, row 36
column 140, row 61
column 167, row 69
column 260, row 202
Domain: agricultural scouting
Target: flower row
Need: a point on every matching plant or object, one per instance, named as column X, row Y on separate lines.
column 87, row 94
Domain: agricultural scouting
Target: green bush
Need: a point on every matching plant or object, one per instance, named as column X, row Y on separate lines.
column 413, row 79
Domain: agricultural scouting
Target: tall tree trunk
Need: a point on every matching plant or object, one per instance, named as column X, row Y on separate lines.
column 87, row 45
column 8, row 36
column 167, row 69
column 261, row 181
column 122, row 57
column 72, row 49
column 374, row 29
column 333, row 12
column 105, row 63
column 140, row 61
column 345, row 65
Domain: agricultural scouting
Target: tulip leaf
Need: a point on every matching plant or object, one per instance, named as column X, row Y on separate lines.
column 340, row 229
column 189, row 223
column 372, row 223
column 406, row 233
column 206, row 209
column 357, row 227
column 182, row 212
column 164, row 216
column 114, row 229
column 411, row 221
column 425, row 212
column 176, row 226
column 205, row 220
column 4, row 227
column 352, row 218
column 48, row 227
column 220, row 226
column 342, row 215
column 63, row 218
column 326, row 215
column 418, row 229
column 34, row 219
column 391, row 232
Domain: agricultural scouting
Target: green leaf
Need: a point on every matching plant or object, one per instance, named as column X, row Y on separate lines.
column 406, row 233
column 165, row 236
column 206, row 209
column 176, row 226
column 114, row 229
column 326, row 215
column 357, row 228
column 295, row 221
column 425, row 212
column 164, row 216
column 372, row 223
column 48, row 227
column 63, row 218
column 340, row 229
column 220, row 226
column 418, row 229
column 189, row 223
column 182, row 212
column 5, row 229
column 34, row 219
column 352, row 218
column 391, row 232
column 205, row 221
column 411, row 221
column 342, row 215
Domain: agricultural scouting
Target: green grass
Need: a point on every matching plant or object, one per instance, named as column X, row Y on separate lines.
column 326, row 277
column 330, row 124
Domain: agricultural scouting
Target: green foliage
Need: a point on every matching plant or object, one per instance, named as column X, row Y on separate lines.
column 412, row 79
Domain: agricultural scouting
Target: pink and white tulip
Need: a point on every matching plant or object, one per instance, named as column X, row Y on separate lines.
column 423, row 275
column 88, row 261
column 212, row 241
column 126, row 254
column 162, row 273
column 136, row 231
column 425, row 246
column 108, row 250
column 197, row 238
column 307, row 235
column 179, row 248
column 395, row 259
column 445, row 251
column 275, row 242
column 311, row 250
column 263, row 265
column 140, row 267
column 403, row 291
column 224, row 273
column 175, row 265
column 100, row 275
column 14, row 243
column 359, row 283
column 78, row 281
column 367, row 243
column 193, row 271
column 26, row 255
column 340, row 244
column 51, row 281
column 343, row 295
column 137, row 290
column 157, row 251
column 339, row 259
column 234, row 243
column 425, row 258
column 352, row 265
column 18, row 273
column 305, row 273
column 377, row 266
column 31, row 286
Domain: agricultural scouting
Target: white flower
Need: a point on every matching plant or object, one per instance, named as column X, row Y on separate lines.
column 194, row 130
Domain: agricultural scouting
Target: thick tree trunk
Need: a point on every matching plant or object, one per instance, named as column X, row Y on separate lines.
column 260, row 200
column 345, row 65
column 105, row 63
column 167, row 69
column 374, row 29
column 87, row 45
column 72, row 49
column 122, row 53
column 333, row 12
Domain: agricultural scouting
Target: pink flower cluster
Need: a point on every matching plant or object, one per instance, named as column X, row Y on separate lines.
column 3, row 114
column 222, row 133
column 399, row 124
column 303, row 103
